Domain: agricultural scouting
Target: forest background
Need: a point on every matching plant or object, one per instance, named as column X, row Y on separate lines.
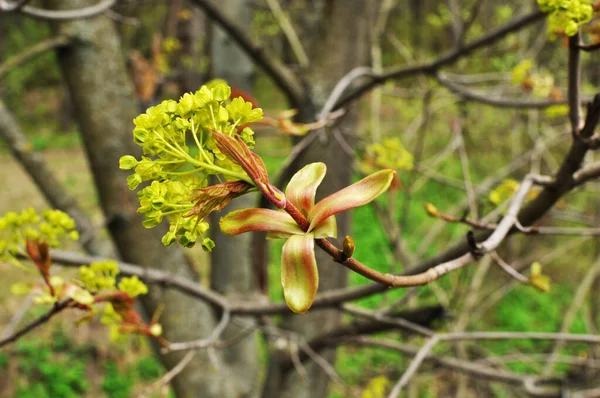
column 464, row 99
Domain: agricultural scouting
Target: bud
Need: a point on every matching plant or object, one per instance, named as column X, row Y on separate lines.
column 348, row 246
column 127, row 162
column 156, row 330
column 431, row 210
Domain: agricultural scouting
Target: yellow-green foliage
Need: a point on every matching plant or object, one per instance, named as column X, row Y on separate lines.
column 50, row 227
column 176, row 170
column 566, row 16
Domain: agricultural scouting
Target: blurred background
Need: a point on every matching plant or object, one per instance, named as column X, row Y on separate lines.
column 460, row 139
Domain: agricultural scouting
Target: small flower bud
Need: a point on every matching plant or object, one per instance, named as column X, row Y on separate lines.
column 127, row 162
column 431, row 210
column 156, row 330
column 348, row 246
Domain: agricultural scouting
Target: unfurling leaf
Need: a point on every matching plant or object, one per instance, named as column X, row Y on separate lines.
column 355, row 195
column 302, row 188
column 299, row 274
column 250, row 220
column 216, row 197
column 236, row 150
column 537, row 279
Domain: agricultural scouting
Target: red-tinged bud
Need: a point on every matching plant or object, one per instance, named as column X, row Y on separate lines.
column 39, row 252
column 216, row 197
column 238, row 92
column 236, row 150
column 117, row 299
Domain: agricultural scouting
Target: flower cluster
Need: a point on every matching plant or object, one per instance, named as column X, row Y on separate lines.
column 566, row 16
column 180, row 154
column 15, row 228
column 181, row 190
column 390, row 153
column 31, row 234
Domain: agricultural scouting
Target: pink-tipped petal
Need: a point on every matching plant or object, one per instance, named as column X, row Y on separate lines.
column 248, row 220
column 326, row 229
column 355, row 195
column 303, row 186
column 299, row 274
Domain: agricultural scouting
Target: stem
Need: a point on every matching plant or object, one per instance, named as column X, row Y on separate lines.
column 217, row 169
column 195, row 135
column 58, row 307
column 182, row 173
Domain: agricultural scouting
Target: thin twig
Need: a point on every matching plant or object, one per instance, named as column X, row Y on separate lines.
column 280, row 74
column 322, row 363
column 484, row 41
column 288, row 30
column 462, row 336
column 414, row 366
column 63, row 15
column 574, row 89
column 18, row 317
column 6, row 6
column 170, row 375
column 32, row 52
column 578, row 300
column 508, row 269
column 206, row 342
column 34, row 163
column 464, row 162
column 380, row 317
column 487, row 99
column 56, row 308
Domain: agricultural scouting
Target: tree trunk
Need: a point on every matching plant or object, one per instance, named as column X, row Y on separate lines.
column 105, row 105
column 232, row 270
column 343, row 44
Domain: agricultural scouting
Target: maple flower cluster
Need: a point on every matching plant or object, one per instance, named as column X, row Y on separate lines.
column 181, row 189
column 566, row 16
column 180, row 154
column 30, row 235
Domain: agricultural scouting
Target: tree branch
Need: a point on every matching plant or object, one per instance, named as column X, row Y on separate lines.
column 280, row 74
column 62, row 15
column 574, row 92
column 6, row 6
column 486, row 99
column 151, row 276
column 450, row 58
column 32, row 52
column 58, row 307
column 35, row 165
column 423, row 353
column 289, row 32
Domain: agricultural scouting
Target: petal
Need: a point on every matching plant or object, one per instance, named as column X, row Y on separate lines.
column 355, row 195
column 299, row 274
column 326, row 229
column 248, row 220
column 302, row 187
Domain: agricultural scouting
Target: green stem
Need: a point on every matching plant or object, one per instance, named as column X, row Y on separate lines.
column 220, row 170
column 182, row 173
column 195, row 135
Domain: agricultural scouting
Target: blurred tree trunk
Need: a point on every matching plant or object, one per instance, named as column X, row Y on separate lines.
column 232, row 269
column 343, row 43
column 105, row 105
column 195, row 35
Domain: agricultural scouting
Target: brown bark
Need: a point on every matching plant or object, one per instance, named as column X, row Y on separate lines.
column 105, row 105
column 232, row 271
column 343, row 44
